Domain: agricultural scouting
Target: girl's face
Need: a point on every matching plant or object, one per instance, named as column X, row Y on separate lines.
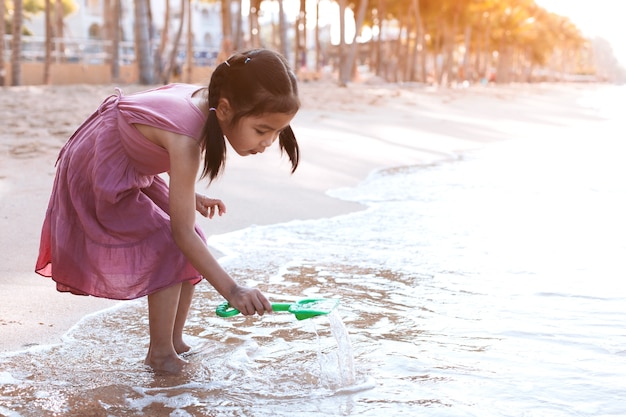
column 253, row 134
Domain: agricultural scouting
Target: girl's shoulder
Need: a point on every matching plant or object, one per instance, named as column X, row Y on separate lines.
column 172, row 88
column 168, row 107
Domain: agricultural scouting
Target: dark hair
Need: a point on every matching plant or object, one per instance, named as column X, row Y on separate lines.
column 254, row 83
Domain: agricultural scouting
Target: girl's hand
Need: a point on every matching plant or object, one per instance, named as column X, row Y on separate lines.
column 249, row 301
column 206, row 206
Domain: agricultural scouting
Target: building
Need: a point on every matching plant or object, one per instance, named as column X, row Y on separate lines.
column 85, row 27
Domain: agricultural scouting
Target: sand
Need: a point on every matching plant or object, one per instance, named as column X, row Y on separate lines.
column 345, row 133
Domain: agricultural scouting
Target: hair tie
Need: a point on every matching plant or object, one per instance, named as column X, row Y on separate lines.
column 212, row 109
column 247, row 60
column 227, row 63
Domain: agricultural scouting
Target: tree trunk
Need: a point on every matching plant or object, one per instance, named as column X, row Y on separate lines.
column 447, row 75
column 351, row 61
column 189, row 64
column 481, row 59
column 253, row 15
column 2, row 32
column 411, row 45
column 48, row 58
column 142, row 42
column 421, row 46
column 110, row 11
column 282, row 29
column 227, row 32
column 436, row 51
column 159, row 59
column 466, row 56
column 341, row 58
column 107, row 29
column 487, row 53
column 238, row 41
column 318, row 43
column 382, row 10
column 115, row 39
column 171, row 62
column 16, row 44
column 446, row 53
column 300, row 51
column 503, row 65
column 59, row 30
column 398, row 56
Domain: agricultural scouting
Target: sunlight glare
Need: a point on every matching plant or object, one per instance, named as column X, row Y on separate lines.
column 601, row 18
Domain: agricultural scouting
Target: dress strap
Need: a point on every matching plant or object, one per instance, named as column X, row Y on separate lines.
column 108, row 102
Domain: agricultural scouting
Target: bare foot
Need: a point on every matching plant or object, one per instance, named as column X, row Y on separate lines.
column 181, row 347
column 171, row 363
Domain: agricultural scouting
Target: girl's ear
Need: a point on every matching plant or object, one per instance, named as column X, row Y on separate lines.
column 223, row 110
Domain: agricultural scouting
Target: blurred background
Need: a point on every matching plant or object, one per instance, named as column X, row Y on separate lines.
column 438, row 42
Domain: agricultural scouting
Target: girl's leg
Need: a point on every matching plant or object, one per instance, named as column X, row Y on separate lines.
column 184, row 302
column 162, row 308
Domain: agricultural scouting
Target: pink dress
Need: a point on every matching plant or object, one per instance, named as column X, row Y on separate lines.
column 107, row 228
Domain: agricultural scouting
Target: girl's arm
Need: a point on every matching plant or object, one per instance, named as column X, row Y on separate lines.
column 184, row 165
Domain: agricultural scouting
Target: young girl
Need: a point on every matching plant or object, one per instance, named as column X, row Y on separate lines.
column 113, row 227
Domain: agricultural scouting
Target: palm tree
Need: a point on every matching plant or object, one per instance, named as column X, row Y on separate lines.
column 111, row 11
column 485, row 22
column 255, row 35
column 515, row 22
column 318, row 44
column 143, row 48
column 282, row 28
column 378, row 19
column 300, row 41
column 351, row 58
column 341, row 55
column 159, row 63
column 189, row 54
column 171, row 64
column 16, row 43
column 48, row 58
column 238, row 31
column 58, row 27
column 227, row 31
column 415, row 48
column 2, row 32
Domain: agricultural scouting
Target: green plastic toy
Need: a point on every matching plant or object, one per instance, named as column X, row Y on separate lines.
column 303, row 309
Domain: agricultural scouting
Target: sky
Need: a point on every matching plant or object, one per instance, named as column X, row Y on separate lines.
column 603, row 18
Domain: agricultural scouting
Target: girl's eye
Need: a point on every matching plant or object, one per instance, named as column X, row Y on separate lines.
column 259, row 132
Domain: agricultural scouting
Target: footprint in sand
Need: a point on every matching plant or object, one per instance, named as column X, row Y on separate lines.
column 30, row 150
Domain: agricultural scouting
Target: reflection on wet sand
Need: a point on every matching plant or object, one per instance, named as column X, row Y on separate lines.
column 233, row 362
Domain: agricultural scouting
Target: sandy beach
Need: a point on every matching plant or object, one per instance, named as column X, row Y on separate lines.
column 345, row 133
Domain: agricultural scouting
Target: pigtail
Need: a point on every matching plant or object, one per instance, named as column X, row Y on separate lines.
column 289, row 145
column 214, row 147
column 213, row 142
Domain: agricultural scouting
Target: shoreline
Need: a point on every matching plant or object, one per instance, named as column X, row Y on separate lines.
column 344, row 134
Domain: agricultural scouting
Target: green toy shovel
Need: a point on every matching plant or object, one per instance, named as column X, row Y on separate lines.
column 303, row 309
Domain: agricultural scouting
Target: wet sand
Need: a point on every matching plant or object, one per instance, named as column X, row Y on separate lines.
column 344, row 133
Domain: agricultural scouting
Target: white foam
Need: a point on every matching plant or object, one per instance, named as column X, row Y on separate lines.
column 176, row 402
column 7, row 379
column 367, row 384
column 5, row 412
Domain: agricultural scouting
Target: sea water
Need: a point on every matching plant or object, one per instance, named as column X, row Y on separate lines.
column 491, row 285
